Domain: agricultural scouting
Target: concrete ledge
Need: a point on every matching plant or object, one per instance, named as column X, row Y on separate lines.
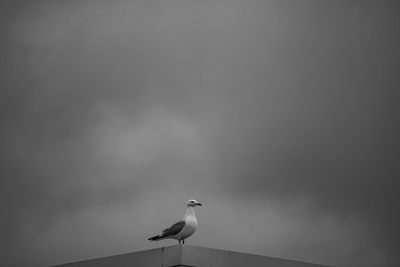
column 192, row 256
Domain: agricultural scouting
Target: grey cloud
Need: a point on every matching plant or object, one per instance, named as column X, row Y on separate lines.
column 106, row 105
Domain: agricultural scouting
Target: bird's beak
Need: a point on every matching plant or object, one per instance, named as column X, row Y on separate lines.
column 198, row 204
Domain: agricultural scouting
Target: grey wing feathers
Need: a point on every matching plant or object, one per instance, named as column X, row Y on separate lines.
column 171, row 231
column 174, row 229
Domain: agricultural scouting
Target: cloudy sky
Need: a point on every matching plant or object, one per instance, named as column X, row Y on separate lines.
column 281, row 117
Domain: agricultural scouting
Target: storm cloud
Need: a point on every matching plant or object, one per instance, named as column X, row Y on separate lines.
column 281, row 117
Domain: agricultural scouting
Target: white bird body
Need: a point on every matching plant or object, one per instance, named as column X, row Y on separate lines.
column 182, row 229
column 190, row 225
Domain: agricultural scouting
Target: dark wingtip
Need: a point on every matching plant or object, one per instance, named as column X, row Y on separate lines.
column 154, row 238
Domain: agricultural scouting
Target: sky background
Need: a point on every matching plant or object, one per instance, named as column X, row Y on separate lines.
column 281, row 117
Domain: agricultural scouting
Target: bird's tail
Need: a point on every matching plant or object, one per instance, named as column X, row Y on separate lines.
column 155, row 238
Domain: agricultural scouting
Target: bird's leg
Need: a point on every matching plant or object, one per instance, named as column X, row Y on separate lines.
column 183, row 241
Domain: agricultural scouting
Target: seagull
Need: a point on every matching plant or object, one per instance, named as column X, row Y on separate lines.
column 182, row 229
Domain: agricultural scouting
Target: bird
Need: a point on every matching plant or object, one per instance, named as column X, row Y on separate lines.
column 182, row 229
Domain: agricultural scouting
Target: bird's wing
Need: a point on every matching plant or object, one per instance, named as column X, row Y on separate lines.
column 174, row 229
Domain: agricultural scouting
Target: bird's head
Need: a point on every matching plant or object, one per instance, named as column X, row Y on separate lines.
column 193, row 203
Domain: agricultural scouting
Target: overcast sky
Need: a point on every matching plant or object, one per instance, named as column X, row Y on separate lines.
column 281, row 117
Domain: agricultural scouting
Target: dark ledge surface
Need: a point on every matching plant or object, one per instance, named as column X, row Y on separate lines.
column 187, row 255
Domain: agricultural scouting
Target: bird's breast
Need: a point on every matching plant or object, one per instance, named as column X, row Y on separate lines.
column 189, row 228
column 191, row 222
